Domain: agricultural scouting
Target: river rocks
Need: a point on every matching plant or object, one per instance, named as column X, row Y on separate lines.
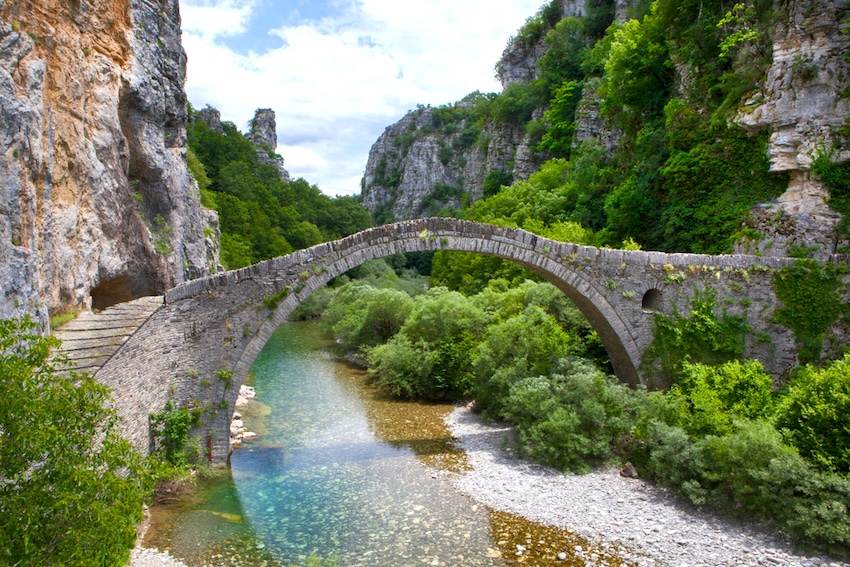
column 144, row 557
column 629, row 471
column 238, row 431
column 643, row 524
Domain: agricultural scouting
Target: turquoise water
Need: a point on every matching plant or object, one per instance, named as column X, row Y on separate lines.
column 321, row 479
column 341, row 472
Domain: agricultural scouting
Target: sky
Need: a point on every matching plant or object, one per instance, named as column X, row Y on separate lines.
column 338, row 72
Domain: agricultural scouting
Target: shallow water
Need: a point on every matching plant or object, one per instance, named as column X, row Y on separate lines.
column 341, row 471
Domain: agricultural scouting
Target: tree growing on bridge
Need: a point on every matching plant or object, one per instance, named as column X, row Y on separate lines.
column 71, row 489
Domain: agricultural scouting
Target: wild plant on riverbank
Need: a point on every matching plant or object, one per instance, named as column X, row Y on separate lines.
column 720, row 435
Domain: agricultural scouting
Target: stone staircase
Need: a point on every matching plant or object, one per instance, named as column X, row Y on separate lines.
column 92, row 338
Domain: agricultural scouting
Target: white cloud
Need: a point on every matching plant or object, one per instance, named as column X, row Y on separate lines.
column 336, row 83
column 216, row 18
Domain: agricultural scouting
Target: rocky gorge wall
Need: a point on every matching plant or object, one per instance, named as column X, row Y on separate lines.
column 803, row 103
column 418, row 166
column 97, row 204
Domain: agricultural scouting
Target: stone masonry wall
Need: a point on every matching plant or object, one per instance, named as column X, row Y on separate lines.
column 198, row 348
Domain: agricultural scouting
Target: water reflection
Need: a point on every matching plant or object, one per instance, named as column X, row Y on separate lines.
column 342, row 471
column 330, row 477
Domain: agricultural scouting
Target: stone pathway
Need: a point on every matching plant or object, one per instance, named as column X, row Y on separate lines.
column 92, row 338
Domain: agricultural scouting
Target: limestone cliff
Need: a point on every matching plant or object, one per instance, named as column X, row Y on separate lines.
column 264, row 135
column 805, row 105
column 97, row 204
column 423, row 164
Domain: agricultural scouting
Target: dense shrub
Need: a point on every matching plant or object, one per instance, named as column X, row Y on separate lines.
column 814, row 414
column 526, row 345
column 72, row 488
column 571, row 420
column 438, row 339
column 363, row 316
column 715, row 396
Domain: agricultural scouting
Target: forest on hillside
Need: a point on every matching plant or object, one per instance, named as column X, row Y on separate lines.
column 674, row 171
column 261, row 215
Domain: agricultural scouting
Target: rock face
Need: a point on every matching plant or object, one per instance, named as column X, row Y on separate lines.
column 519, row 60
column 97, row 204
column 212, row 117
column 420, row 165
column 805, row 105
column 264, row 135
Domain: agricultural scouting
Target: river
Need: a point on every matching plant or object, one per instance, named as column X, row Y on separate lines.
column 339, row 471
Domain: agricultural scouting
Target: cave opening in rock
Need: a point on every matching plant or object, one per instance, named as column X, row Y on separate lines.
column 112, row 291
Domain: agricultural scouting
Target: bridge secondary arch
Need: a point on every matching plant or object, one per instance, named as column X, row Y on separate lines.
column 198, row 348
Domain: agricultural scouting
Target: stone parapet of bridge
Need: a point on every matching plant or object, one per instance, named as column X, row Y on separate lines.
column 198, row 347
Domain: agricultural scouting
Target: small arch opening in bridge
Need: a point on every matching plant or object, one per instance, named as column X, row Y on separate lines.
column 653, row 301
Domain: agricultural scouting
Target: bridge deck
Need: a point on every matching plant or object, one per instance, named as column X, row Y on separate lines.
column 92, row 338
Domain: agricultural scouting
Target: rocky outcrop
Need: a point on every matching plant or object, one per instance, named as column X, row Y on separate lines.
column 212, row 117
column 264, row 135
column 589, row 124
column 804, row 103
column 97, row 204
column 422, row 164
column 519, row 60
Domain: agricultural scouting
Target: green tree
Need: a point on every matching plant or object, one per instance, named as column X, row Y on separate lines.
column 715, row 396
column 814, row 414
column 71, row 489
column 527, row 345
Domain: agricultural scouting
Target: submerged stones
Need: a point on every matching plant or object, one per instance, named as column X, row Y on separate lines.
column 238, row 431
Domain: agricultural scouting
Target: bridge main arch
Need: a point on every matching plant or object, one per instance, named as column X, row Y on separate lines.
column 197, row 349
column 523, row 248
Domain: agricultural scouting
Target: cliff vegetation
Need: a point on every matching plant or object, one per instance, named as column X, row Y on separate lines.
column 684, row 126
column 262, row 213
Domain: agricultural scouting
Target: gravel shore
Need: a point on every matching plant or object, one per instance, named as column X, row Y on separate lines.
column 143, row 557
column 644, row 525
column 647, row 524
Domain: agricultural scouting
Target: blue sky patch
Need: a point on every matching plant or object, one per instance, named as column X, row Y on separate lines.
column 274, row 14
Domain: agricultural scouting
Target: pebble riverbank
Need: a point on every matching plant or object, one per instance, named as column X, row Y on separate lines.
column 644, row 525
column 648, row 525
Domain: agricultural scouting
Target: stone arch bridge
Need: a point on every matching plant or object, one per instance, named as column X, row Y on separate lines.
column 197, row 347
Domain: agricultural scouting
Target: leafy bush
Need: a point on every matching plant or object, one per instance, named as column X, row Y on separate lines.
column 526, row 345
column 439, row 338
column 571, row 420
column 170, row 429
column 363, row 316
column 401, row 367
column 72, row 488
column 814, row 414
column 675, row 460
column 715, row 396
